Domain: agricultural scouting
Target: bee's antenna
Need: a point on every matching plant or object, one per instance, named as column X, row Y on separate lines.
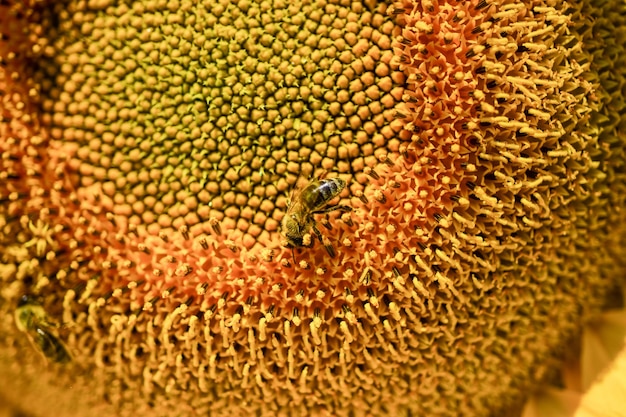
column 294, row 257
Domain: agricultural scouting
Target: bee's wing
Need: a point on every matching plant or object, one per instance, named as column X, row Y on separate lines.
column 297, row 188
column 51, row 346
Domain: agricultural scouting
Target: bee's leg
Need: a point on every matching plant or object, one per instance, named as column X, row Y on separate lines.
column 333, row 208
column 317, row 232
column 326, row 223
column 325, row 210
column 329, row 247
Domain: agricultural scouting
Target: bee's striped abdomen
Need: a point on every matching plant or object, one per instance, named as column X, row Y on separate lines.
column 318, row 193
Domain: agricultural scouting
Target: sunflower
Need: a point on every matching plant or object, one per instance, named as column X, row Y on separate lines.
column 149, row 149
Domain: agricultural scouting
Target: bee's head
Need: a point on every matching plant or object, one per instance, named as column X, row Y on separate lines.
column 291, row 230
column 294, row 242
column 26, row 300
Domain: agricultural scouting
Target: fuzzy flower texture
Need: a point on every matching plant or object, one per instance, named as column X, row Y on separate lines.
column 149, row 150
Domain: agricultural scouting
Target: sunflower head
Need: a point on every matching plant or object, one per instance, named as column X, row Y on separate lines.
column 149, row 150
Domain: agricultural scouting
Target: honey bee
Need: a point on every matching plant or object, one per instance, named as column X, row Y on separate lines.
column 305, row 202
column 31, row 318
